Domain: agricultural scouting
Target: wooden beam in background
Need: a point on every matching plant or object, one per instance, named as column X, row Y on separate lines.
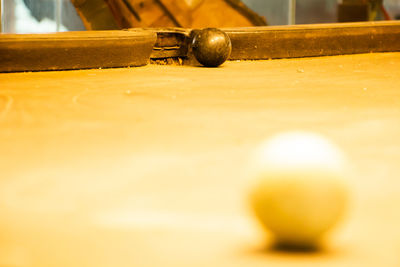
column 95, row 14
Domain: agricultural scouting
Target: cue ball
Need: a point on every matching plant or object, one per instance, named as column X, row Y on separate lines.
column 211, row 47
column 300, row 192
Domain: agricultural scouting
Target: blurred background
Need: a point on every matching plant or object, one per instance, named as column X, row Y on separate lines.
column 34, row 16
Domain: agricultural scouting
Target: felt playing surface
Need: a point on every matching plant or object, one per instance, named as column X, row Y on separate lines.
column 147, row 166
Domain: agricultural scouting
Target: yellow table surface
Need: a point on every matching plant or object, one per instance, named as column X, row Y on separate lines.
column 148, row 166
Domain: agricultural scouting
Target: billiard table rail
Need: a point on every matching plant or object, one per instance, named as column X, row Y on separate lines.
column 138, row 47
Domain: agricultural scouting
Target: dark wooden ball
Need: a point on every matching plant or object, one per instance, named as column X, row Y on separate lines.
column 211, row 47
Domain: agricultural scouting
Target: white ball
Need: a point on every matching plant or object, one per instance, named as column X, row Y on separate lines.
column 300, row 191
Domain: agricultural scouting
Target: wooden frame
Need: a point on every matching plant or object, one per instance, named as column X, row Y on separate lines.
column 77, row 50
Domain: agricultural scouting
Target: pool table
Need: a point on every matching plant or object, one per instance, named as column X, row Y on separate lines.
column 148, row 166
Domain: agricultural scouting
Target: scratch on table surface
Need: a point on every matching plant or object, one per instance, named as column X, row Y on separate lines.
column 7, row 106
column 76, row 97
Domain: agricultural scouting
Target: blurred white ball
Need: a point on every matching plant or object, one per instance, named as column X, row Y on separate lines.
column 300, row 191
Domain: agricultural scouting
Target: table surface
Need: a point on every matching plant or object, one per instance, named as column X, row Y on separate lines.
column 148, row 166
